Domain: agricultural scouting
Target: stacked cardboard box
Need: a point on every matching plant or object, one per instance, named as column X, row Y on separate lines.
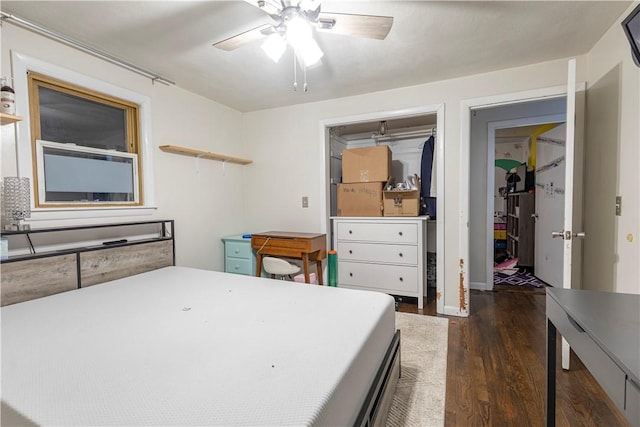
column 364, row 172
column 402, row 202
column 360, row 199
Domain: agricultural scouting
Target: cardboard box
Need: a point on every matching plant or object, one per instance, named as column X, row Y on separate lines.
column 370, row 164
column 360, row 199
column 401, row 203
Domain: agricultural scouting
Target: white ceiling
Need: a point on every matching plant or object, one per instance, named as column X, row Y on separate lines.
column 429, row 41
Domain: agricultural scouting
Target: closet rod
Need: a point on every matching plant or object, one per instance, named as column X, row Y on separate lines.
column 423, row 132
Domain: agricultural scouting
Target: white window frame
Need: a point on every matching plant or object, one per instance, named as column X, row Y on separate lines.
column 40, row 145
column 21, row 64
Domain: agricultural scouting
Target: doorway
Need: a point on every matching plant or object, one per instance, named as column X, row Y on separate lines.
column 516, row 221
column 330, row 156
column 485, row 123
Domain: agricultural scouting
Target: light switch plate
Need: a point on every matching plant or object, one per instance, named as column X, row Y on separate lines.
column 305, row 202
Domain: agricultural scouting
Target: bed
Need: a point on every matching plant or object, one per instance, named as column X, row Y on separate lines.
column 181, row 346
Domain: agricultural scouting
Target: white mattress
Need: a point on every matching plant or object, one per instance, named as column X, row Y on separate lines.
column 180, row 346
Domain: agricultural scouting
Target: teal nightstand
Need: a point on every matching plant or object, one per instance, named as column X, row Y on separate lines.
column 238, row 256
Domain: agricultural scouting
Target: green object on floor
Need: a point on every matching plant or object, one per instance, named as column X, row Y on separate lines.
column 333, row 268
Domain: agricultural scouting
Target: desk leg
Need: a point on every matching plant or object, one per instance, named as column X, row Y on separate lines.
column 305, row 265
column 319, row 269
column 258, row 265
column 551, row 374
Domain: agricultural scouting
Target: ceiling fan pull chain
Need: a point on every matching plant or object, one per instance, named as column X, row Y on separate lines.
column 295, row 73
column 304, row 69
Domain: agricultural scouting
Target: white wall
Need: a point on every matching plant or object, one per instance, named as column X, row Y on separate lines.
column 205, row 204
column 294, row 133
column 613, row 50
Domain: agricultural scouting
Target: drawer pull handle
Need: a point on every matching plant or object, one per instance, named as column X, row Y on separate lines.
column 237, row 267
column 400, row 254
column 401, row 279
column 575, row 324
column 400, row 233
column 350, row 251
column 350, row 232
column 237, row 251
column 350, row 274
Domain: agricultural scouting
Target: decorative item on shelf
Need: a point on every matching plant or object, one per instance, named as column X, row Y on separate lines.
column 8, row 98
column 16, row 201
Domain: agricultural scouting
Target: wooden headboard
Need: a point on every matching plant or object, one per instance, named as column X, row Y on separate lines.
column 26, row 277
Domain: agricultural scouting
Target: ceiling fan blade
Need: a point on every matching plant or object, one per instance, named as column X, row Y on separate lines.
column 243, row 38
column 309, row 5
column 272, row 7
column 370, row 26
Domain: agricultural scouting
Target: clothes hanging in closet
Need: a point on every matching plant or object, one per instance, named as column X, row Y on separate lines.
column 426, row 168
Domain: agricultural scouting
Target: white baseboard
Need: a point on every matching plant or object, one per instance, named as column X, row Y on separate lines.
column 480, row 286
column 455, row 311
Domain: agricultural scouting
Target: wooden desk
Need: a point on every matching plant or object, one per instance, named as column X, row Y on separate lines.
column 304, row 246
column 603, row 330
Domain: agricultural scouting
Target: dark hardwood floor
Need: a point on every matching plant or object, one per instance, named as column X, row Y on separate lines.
column 496, row 366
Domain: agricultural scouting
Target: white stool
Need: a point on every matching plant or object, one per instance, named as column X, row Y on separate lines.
column 279, row 267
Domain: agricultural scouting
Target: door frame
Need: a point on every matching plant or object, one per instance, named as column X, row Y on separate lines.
column 325, row 151
column 466, row 107
column 491, row 178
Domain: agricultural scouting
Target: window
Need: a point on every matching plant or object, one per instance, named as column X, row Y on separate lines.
column 73, row 174
column 86, row 146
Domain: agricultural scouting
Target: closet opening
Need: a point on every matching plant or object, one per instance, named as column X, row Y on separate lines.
column 372, row 261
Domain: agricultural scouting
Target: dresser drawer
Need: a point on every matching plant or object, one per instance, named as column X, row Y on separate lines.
column 238, row 249
column 386, row 278
column 600, row 365
column 378, row 232
column 239, row 266
column 392, row 254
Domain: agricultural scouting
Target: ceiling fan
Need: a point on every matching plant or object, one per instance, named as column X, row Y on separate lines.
column 293, row 24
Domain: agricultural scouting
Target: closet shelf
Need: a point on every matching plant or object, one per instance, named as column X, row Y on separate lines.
column 204, row 154
column 7, row 119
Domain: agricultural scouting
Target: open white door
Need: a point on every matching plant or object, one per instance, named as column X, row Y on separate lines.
column 572, row 234
column 550, row 192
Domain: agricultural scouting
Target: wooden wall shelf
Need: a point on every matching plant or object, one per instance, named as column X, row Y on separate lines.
column 7, row 119
column 204, row 154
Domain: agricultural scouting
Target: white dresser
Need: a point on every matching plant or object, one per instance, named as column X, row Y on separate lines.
column 385, row 254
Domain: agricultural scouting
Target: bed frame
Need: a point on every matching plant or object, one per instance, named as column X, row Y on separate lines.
column 109, row 256
column 376, row 407
column 23, row 277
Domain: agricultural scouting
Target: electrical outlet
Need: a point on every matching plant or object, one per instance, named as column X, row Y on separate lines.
column 305, row 202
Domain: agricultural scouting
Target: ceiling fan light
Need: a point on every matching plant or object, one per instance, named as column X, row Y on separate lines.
column 310, row 52
column 298, row 29
column 274, row 46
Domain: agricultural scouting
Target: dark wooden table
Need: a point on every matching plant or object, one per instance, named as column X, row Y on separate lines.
column 603, row 330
